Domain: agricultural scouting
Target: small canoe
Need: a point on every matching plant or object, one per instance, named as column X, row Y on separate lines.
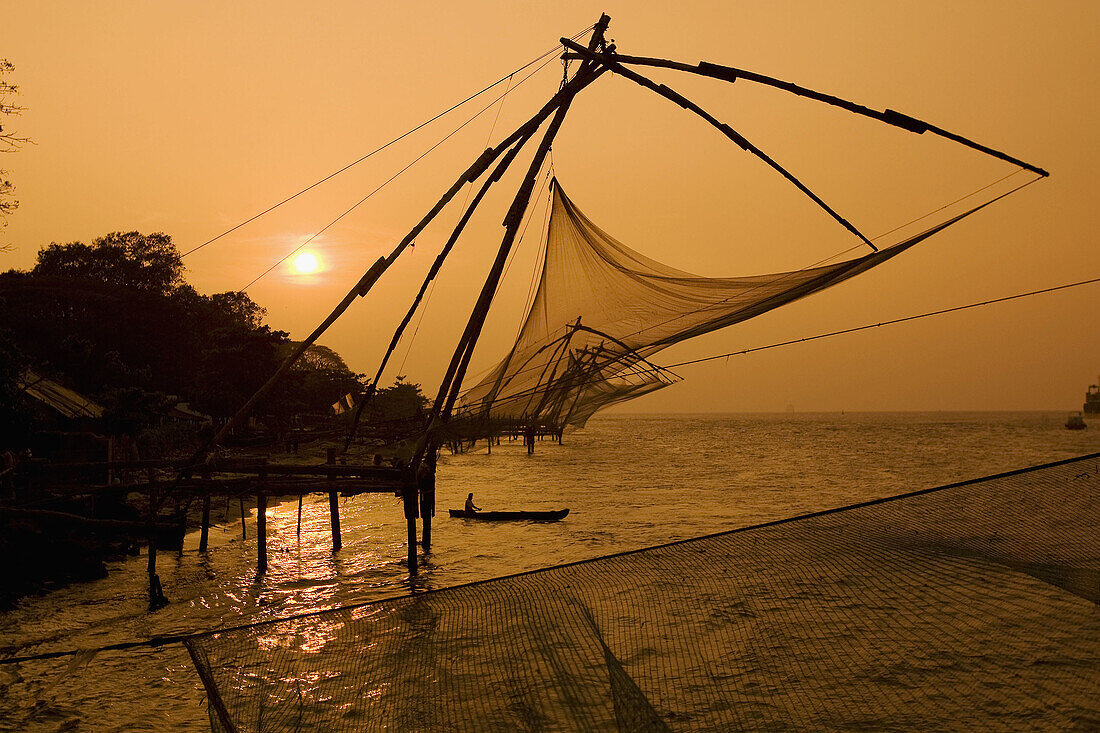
column 511, row 516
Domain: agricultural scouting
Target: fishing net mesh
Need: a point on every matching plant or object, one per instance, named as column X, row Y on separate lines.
column 966, row 607
column 602, row 308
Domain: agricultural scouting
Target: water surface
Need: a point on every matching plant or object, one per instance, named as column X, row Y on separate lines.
column 629, row 481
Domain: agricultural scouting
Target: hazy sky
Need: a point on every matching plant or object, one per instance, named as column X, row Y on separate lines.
column 189, row 117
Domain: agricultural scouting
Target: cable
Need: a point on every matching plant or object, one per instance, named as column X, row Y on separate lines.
column 376, row 150
column 389, row 180
column 431, row 289
column 889, row 323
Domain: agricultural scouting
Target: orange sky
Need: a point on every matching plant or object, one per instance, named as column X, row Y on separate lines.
column 190, row 117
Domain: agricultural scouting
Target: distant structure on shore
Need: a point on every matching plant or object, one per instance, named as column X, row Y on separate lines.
column 1092, row 400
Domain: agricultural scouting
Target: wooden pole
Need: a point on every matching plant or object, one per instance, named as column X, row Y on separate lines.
column 299, row 515
column 244, row 533
column 889, row 116
column 156, row 592
column 425, row 484
column 333, row 506
column 261, row 531
column 410, row 500
column 204, row 535
column 412, row 561
column 448, row 390
column 371, row 276
column 609, row 61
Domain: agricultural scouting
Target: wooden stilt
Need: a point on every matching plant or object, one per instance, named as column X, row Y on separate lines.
column 261, row 533
column 334, row 507
column 299, row 515
column 204, row 533
column 334, row 520
column 425, row 484
column 244, row 533
column 156, row 592
column 410, row 501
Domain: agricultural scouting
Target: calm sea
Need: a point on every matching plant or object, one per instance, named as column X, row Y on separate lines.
column 629, row 481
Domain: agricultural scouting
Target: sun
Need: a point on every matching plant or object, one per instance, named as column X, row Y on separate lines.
column 305, row 264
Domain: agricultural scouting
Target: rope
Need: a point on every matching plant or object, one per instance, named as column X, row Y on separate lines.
column 389, row 180
column 889, row 323
column 469, row 190
column 376, row 150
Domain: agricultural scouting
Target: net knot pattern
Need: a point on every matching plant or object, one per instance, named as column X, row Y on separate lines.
column 972, row 606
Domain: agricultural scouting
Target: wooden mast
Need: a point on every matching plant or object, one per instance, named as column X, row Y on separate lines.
column 456, row 370
column 382, row 264
column 495, row 176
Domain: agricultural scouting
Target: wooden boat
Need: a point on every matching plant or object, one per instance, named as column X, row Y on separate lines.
column 551, row 516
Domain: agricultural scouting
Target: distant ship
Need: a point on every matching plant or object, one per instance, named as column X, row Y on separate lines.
column 1092, row 400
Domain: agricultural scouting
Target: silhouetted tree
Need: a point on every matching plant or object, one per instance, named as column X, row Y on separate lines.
column 9, row 141
column 143, row 262
column 403, row 400
column 115, row 320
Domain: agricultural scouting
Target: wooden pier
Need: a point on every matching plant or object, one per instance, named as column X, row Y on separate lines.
column 165, row 483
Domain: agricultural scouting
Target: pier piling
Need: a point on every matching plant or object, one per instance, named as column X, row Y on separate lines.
column 261, row 533
column 333, row 506
column 244, row 533
column 204, row 535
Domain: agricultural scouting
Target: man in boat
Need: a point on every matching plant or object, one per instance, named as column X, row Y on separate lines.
column 470, row 503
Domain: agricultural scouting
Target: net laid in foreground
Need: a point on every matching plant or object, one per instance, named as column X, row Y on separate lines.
column 966, row 607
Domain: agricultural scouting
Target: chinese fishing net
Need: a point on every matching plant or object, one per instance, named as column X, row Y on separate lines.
column 966, row 607
column 602, row 309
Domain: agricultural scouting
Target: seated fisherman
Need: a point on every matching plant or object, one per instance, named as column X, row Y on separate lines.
column 470, row 503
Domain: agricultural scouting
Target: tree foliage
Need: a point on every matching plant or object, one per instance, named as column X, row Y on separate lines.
column 147, row 263
column 116, row 320
column 9, row 141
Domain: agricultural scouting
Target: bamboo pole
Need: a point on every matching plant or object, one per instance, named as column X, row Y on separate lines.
column 382, row 264
column 204, row 532
column 333, row 505
column 609, row 61
column 495, row 176
column 519, row 137
column 889, row 116
column 461, row 359
column 261, row 532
